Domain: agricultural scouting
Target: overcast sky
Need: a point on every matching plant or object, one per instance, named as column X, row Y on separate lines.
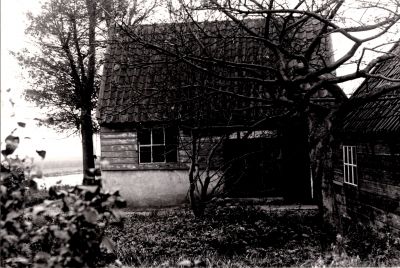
column 58, row 146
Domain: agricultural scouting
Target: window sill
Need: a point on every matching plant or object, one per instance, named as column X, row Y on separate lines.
column 337, row 183
column 350, row 184
column 161, row 166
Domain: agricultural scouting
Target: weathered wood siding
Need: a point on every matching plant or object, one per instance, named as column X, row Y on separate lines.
column 119, row 149
column 376, row 198
column 205, row 145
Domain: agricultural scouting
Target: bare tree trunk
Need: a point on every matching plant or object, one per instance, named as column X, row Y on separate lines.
column 86, row 116
column 204, row 189
column 87, row 146
column 321, row 150
column 195, row 203
column 205, row 195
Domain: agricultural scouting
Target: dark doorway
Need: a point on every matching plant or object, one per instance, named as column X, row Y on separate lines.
column 254, row 167
column 295, row 162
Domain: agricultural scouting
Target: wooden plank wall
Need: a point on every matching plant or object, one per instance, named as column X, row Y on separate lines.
column 205, row 145
column 119, row 148
column 376, row 199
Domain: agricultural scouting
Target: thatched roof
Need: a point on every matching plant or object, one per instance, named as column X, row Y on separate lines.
column 375, row 112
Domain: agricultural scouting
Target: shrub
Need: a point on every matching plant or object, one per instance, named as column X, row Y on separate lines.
column 34, row 197
column 67, row 231
column 14, row 229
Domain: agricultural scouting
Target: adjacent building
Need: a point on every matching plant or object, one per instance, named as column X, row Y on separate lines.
column 367, row 160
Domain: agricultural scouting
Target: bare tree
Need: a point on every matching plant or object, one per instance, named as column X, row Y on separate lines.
column 70, row 39
column 294, row 76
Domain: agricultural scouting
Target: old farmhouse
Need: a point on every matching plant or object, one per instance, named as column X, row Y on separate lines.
column 367, row 161
column 152, row 105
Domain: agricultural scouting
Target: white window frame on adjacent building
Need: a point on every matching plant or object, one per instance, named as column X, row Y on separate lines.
column 350, row 165
column 152, row 145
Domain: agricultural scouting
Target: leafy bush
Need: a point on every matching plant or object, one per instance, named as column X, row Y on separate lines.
column 13, row 229
column 67, row 231
column 34, row 197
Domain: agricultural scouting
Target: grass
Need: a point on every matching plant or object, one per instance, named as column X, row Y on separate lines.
column 233, row 237
column 242, row 237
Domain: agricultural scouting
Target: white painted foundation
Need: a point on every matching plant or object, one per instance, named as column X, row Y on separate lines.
column 149, row 188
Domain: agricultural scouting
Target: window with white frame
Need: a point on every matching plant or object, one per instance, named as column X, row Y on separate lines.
column 350, row 164
column 157, row 145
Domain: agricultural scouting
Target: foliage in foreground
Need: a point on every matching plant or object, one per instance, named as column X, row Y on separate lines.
column 67, row 231
column 244, row 236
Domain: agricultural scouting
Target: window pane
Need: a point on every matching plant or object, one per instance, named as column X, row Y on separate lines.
column 171, row 136
column 350, row 164
column 351, row 154
column 348, row 173
column 159, row 153
column 158, row 136
column 145, row 154
column 144, row 136
column 171, row 153
column 351, row 174
column 355, row 181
